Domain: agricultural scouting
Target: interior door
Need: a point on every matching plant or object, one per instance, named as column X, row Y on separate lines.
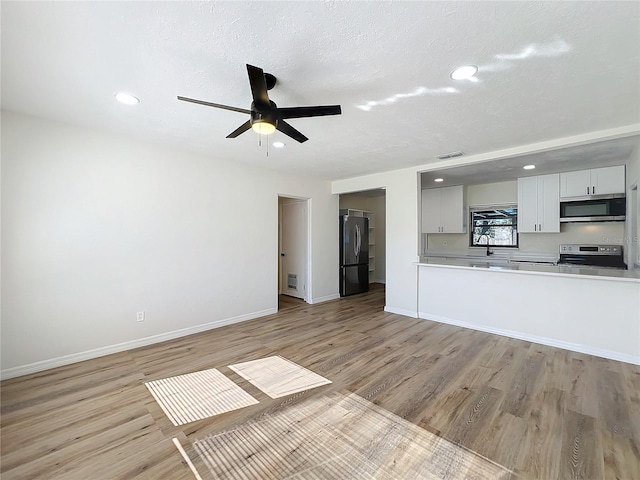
column 293, row 248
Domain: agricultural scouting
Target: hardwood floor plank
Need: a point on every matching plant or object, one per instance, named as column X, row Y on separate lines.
column 583, row 396
column 613, row 404
column 475, row 416
column 538, row 456
column 518, row 397
column 621, row 455
column 581, row 456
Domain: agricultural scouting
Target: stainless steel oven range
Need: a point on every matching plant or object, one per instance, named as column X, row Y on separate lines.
column 603, row 256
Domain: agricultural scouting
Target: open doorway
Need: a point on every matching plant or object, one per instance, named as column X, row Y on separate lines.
column 293, row 253
column 371, row 204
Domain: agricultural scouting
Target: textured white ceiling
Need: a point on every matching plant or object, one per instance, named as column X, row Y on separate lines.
column 546, row 71
column 592, row 155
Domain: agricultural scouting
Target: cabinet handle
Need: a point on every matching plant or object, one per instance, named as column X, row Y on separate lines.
column 593, row 190
column 539, row 227
column 535, row 227
column 587, row 190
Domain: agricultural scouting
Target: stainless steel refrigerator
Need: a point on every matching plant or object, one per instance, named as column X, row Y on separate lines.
column 354, row 255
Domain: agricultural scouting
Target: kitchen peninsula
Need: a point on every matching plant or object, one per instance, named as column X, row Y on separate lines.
column 594, row 311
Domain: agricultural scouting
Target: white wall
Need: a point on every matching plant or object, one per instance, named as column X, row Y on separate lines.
column 401, row 233
column 492, row 193
column 96, row 227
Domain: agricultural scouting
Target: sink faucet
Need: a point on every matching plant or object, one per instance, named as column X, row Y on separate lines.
column 488, row 238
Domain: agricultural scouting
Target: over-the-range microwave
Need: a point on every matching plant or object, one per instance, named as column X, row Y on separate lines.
column 596, row 208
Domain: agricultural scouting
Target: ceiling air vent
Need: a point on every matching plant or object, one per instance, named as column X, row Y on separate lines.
column 450, row 155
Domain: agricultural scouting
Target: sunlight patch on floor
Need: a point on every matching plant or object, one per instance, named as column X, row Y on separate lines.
column 195, row 396
column 276, row 376
column 338, row 435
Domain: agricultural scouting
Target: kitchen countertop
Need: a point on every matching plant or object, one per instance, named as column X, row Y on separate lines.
column 531, row 265
column 477, row 253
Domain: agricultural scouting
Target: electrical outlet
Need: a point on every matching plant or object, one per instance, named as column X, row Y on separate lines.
column 140, row 316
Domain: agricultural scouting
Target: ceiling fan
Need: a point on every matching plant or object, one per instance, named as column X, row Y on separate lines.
column 266, row 117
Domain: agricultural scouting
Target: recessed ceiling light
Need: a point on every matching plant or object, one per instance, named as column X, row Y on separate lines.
column 278, row 144
column 127, row 98
column 465, row 72
column 438, row 179
column 529, row 167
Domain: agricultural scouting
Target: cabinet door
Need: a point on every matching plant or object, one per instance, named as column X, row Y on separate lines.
column 452, row 210
column 528, row 205
column 431, row 210
column 608, row 180
column 575, row 184
column 548, row 203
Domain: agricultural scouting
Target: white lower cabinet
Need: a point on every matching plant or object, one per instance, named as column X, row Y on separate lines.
column 443, row 210
column 539, row 204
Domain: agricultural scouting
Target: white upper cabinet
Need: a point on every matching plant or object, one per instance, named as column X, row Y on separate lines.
column 597, row 181
column 539, row 204
column 443, row 210
column 431, row 206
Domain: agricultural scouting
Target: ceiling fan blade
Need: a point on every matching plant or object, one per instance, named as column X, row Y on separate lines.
column 287, row 129
column 216, row 105
column 241, row 129
column 300, row 112
column 258, row 86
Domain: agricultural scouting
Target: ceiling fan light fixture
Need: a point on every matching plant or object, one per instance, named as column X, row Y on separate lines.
column 466, row 72
column 263, row 127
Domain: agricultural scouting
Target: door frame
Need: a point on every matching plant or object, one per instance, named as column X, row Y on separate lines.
column 307, row 201
column 633, row 226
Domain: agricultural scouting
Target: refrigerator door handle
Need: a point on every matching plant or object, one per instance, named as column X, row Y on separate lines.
column 355, row 240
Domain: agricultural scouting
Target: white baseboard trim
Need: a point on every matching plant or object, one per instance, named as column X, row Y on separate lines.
column 400, row 311
column 326, row 298
column 121, row 347
column 551, row 342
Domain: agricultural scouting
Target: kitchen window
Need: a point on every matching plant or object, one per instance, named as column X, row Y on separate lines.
column 493, row 225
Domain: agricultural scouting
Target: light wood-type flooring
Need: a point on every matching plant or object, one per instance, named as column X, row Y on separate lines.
column 409, row 398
